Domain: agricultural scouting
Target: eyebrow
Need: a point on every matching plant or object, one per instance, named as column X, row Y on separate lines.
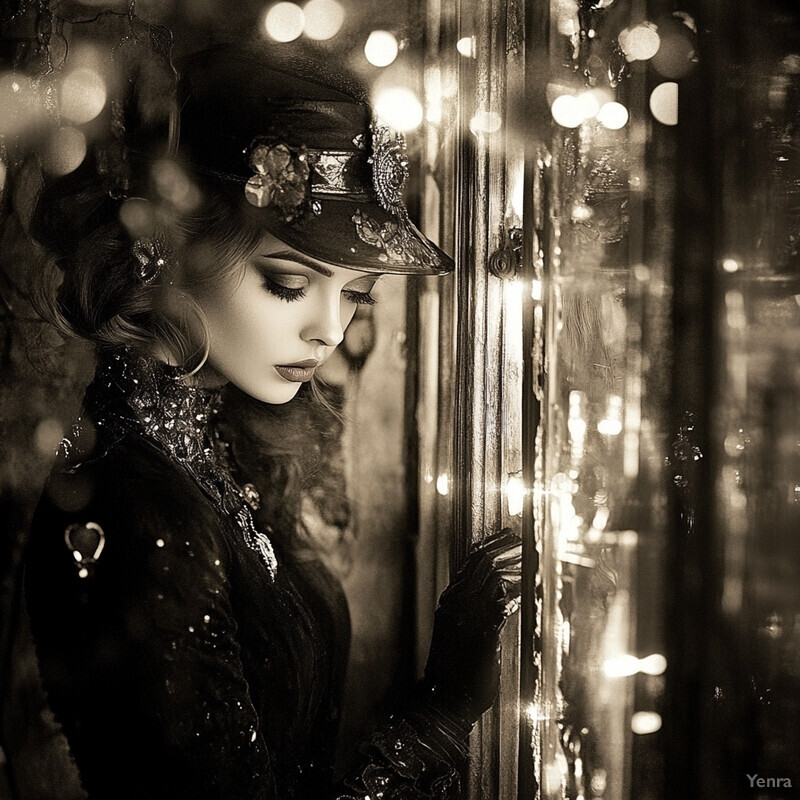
column 299, row 258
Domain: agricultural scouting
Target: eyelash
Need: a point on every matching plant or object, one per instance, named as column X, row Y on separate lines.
column 290, row 295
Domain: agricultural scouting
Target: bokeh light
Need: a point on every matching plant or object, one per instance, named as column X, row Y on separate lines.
column 443, row 484
column 284, row 22
column 655, row 664
column 136, row 214
column 323, row 19
column 613, row 116
column 174, row 185
column 664, row 103
column 18, row 102
column 381, row 48
column 588, row 103
column 486, row 122
column 644, row 722
column 3, row 173
column 566, row 111
column 641, row 42
column 515, row 496
column 83, row 95
column 466, row 46
column 64, row 151
column 580, row 212
column 47, row 436
column 399, row 108
column 730, row 265
column 676, row 56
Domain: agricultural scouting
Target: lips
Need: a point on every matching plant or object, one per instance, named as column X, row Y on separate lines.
column 300, row 372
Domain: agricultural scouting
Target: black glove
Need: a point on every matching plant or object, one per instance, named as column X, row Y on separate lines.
column 463, row 670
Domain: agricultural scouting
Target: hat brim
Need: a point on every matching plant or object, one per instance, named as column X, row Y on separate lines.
column 356, row 235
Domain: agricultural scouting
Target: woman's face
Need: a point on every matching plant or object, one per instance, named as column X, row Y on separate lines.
column 275, row 320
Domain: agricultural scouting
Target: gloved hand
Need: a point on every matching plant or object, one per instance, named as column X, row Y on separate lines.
column 463, row 669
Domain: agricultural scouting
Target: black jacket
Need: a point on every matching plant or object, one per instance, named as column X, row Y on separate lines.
column 177, row 666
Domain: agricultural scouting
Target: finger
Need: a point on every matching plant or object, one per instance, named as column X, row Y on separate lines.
column 505, row 565
column 511, row 607
column 509, row 557
column 506, row 544
column 498, row 541
column 511, row 574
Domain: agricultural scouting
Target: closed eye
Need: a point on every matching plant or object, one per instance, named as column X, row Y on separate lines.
column 360, row 291
column 359, row 298
column 278, row 287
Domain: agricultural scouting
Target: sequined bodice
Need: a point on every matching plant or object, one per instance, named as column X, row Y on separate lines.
column 151, row 398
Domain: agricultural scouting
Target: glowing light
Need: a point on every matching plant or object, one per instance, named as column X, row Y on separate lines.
column 433, row 94
column 49, row 432
column 640, row 43
column 664, row 103
column 284, row 22
column 466, row 46
column 323, row 19
column 644, row 722
column 611, row 425
column 536, row 289
column 589, row 104
column 622, row 666
column 576, row 423
column 625, row 665
column 83, row 95
column 443, row 484
column 17, row 102
column 655, row 664
column 515, row 495
column 601, row 518
column 3, row 173
column 735, row 315
column 731, row 265
column 566, row 111
column 613, row 116
column 136, row 215
column 580, row 212
column 399, row 108
column 174, row 185
column 64, row 151
column 486, row 122
column 554, row 775
column 381, row 48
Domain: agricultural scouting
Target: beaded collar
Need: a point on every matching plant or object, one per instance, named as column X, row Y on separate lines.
column 131, row 393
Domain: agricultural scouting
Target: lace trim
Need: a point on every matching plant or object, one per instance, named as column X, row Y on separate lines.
column 133, row 393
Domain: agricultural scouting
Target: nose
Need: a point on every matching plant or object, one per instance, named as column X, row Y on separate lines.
column 324, row 324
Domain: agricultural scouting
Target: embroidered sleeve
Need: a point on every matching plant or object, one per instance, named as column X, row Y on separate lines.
column 419, row 754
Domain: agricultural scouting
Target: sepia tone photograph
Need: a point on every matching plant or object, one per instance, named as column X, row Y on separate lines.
column 399, row 400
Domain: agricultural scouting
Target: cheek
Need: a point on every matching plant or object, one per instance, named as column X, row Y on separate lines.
column 347, row 312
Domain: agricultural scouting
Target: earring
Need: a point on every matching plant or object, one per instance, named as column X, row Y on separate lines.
column 152, row 256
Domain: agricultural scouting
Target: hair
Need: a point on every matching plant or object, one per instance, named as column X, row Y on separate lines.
column 90, row 287
column 293, row 452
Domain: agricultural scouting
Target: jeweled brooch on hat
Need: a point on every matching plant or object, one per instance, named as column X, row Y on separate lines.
column 281, row 178
column 389, row 167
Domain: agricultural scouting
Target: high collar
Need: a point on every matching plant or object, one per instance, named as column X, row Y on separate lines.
column 156, row 398
column 134, row 394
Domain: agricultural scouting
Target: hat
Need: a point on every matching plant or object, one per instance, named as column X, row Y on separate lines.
column 299, row 149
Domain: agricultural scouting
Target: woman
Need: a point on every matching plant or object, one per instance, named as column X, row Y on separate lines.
column 186, row 650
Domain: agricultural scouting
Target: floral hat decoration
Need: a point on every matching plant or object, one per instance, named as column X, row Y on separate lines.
column 302, row 152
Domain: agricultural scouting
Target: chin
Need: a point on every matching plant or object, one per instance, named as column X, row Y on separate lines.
column 272, row 395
